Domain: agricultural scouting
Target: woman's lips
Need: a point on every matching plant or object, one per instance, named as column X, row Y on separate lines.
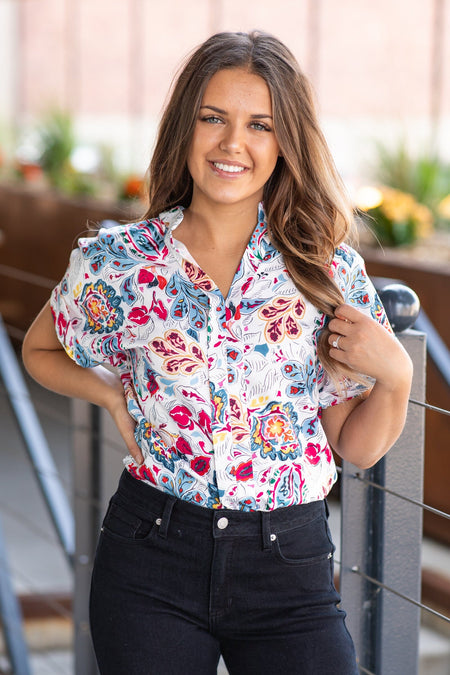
column 224, row 168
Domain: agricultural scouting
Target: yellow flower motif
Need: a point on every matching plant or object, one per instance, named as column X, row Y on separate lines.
column 220, row 437
column 259, row 401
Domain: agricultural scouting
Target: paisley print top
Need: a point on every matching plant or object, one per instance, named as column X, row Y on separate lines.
column 227, row 394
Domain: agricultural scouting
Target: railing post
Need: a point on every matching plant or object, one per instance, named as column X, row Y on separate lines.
column 87, row 507
column 381, row 538
column 11, row 617
column 36, row 445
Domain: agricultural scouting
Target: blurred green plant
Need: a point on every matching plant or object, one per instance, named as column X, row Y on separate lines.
column 57, row 142
column 425, row 177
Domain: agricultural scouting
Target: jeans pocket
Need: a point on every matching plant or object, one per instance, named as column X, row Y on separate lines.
column 121, row 524
column 305, row 545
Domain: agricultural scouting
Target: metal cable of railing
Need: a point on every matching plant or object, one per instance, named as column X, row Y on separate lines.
column 375, row 481
column 380, row 584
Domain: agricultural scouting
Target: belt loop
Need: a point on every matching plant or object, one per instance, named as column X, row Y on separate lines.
column 165, row 519
column 327, row 508
column 265, row 530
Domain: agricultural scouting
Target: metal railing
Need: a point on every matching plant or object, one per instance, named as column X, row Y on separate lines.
column 381, row 542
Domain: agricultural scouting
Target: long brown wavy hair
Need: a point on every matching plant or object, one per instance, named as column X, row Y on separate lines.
column 308, row 213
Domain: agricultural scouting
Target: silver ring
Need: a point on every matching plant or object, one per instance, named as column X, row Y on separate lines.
column 336, row 342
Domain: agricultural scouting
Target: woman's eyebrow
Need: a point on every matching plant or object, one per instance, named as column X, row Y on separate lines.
column 259, row 116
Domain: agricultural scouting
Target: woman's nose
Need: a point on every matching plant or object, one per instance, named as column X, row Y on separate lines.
column 233, row 139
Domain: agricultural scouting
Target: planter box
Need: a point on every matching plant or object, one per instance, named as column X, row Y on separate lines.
column 38, row 230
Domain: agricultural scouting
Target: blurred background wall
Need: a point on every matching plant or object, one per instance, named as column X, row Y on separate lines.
column 381, row 70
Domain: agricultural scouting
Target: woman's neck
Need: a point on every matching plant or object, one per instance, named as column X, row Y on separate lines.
column 222, row 227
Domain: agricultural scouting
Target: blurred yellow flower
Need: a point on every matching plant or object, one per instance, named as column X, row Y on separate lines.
column 368, row 197
column 443, row 208
column 396, row 217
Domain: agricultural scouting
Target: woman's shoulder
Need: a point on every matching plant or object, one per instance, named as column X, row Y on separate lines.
column 122, row 245
column 346, row 255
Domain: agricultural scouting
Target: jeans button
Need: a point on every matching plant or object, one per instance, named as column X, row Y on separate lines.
column 222, row 523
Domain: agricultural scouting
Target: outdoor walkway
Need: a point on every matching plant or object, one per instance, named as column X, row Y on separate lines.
column 39, row 567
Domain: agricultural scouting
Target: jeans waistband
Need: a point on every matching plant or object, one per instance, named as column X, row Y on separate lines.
column 149, row 502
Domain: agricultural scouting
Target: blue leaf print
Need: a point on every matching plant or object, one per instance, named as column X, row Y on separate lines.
column 189, row 302
column 304, row 378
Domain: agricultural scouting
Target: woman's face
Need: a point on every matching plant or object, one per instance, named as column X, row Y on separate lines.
column 234, row 149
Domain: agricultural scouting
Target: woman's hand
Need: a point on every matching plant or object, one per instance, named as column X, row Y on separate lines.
column 363, row 429
column 368, row 348
column 117, row 408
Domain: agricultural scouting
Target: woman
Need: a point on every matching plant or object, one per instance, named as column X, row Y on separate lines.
column 248, row 342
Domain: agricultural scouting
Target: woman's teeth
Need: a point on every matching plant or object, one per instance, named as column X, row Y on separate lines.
column 228, row 167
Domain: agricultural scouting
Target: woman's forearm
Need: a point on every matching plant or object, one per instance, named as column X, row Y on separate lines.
column 47, row 362
column 374, row 425
column 55, row 370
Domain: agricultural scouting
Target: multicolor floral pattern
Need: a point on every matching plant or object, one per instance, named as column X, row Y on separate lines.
column 226, row 393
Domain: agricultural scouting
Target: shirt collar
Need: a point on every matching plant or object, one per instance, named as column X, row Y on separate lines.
column 259, row 246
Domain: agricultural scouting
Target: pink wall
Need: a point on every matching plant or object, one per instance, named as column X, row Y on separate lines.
column 100, row 57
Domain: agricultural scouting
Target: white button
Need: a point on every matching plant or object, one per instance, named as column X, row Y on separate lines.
column 158, row 521
column 222, row 523
column 273, row 537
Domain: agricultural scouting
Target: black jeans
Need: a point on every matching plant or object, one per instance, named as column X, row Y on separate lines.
column 175, row 585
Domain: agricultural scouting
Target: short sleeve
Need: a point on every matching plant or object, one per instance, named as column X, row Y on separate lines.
column 87, row 312
column 357, row 290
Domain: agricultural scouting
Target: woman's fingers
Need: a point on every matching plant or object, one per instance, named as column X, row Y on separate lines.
column 126, row 427
column 362, row 343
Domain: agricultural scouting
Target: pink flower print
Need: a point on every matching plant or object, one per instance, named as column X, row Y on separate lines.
column 182, row 416
column 204, row 421
column 158, row 308
column 282, row 318
column 178, row 355
column 183, row 446
column 312, row 453
column 147, row 277
column 152, row 383
column 200, row 465
column 141, row 472
column 139, row 315
column 243, row 471
column 61, row 324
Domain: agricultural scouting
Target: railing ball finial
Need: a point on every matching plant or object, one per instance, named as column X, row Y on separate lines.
column 402, row 306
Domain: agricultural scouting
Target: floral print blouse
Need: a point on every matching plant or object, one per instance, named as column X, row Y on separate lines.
column 227, row 394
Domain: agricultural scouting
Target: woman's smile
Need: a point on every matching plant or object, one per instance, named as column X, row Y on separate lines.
column 234, row 149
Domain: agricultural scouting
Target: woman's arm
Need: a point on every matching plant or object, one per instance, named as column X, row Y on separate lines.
column 362, row 430
column 47, row 362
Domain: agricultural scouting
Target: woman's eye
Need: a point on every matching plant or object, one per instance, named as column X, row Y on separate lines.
column 211, row 119
column 259, row 126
